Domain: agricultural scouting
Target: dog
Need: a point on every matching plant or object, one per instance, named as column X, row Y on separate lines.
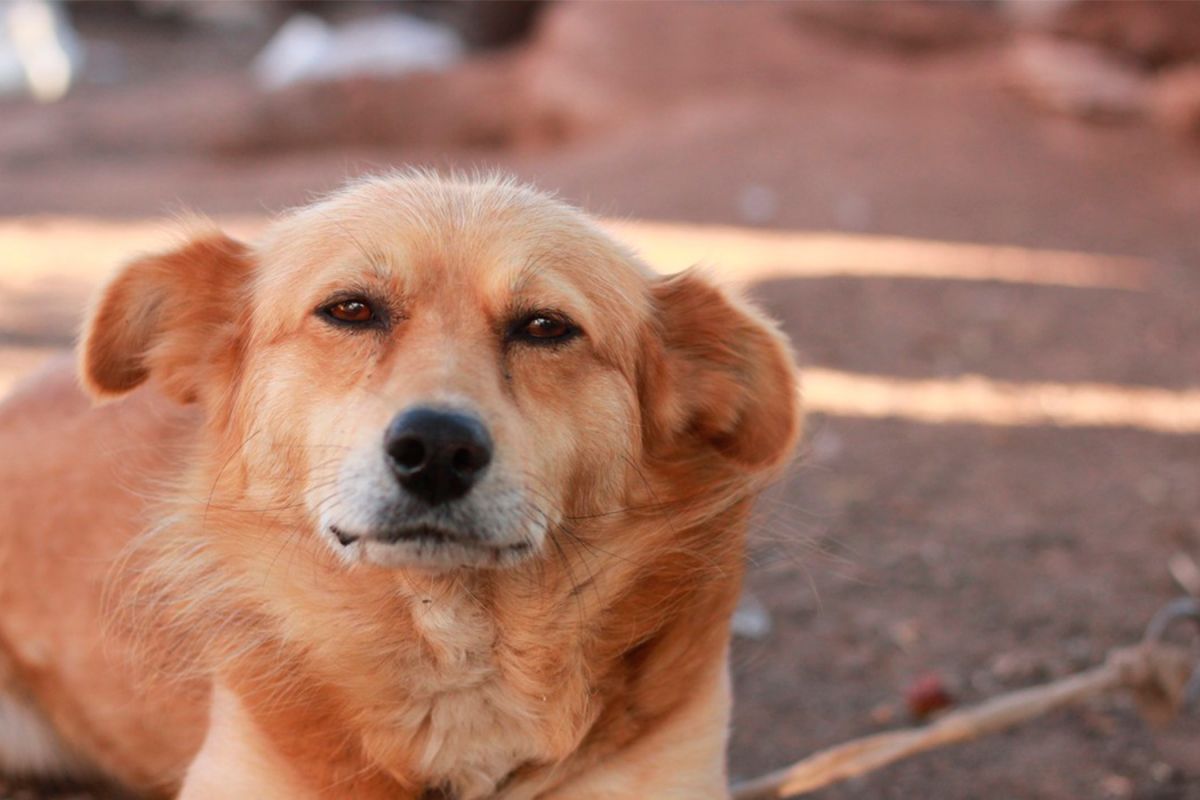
column 435, row 491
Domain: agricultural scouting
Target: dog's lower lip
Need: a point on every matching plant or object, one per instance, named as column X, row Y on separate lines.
column 346, row 539
column 424, row 533
column 441, row 536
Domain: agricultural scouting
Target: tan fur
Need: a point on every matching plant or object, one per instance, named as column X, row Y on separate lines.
column 627, row 458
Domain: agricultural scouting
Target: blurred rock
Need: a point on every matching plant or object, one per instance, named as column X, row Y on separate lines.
column 905, row 634
column 476, row 105
column 825, row 445
column 1116, row 786
column 1175, row 101
column 1020, row 668
column 910, row 26
column 12, row 73
column 1154, row 32
column 1076, row 79
column 587, row 69
column 883, row 714
column 751, row 619
column 484, row 24
column 307, row 49
column 1033, row 14
column 757, row 204
column 1162, row 772
column 1186, row 572
column 40, row 52
column 226, row 15
column 927, row 695
column 591, row 66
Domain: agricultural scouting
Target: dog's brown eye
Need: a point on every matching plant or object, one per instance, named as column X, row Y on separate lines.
column 354, row 311
column 351, row 311
column 544, row 328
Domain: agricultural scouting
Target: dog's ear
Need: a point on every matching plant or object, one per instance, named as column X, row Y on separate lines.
column 172, row 315
column 722, row 376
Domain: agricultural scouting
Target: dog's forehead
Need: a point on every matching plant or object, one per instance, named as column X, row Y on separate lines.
column 435, row 235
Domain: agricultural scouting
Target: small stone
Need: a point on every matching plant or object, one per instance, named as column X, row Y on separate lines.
column 1162, row 772
column 825, row 445
column 1076, row 79
column 905, row 634
column 758, row 204
column 1019, row 667
column 1175, row 101
column 883, row 714
column 751, row 620
column 1117, row 786
column 927, row 695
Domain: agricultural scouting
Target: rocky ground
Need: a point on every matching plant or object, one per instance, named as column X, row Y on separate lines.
column 992, row 551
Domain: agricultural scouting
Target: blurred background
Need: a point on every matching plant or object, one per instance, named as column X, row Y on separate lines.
column 978, row 221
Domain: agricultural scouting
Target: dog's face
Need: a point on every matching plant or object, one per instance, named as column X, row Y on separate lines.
column 442, row 374
column 454, row 370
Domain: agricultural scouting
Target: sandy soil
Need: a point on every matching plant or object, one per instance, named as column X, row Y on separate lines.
column 994, row 551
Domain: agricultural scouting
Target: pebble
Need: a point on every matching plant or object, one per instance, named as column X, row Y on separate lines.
column 758, row 204
column 751, row 620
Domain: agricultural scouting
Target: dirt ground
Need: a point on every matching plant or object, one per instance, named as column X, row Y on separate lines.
column 993, row 553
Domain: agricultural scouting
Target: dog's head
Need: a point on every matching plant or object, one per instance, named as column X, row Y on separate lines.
column 437, row 373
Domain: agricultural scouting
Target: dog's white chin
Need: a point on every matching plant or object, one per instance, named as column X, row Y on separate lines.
column 441, row 555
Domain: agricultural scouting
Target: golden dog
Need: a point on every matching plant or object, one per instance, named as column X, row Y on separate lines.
column 442, row 493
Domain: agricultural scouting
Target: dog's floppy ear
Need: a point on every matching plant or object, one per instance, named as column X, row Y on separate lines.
column 722, row 376
column 171, row 315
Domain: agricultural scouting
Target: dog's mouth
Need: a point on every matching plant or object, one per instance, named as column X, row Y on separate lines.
column 430, row 546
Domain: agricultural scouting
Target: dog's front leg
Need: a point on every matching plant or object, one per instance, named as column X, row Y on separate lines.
column 683, row 759
column 238, row 760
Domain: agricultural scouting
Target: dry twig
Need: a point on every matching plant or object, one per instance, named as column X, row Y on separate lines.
column 1156, row 672
column 1185, row 572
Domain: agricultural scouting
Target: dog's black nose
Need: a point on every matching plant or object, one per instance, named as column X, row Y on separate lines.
column 437, row 454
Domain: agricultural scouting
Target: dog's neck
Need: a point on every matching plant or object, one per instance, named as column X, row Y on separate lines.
column 471, row 682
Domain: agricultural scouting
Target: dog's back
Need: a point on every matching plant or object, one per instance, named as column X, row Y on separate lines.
column 56, row 549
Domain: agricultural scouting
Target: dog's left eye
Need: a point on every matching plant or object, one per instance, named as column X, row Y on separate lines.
column 544, row 328
column 354, row 311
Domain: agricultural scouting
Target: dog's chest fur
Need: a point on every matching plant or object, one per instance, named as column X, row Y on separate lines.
column 473, row 710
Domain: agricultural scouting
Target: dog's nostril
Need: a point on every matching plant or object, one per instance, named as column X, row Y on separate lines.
column 408, row 453
column 468, row 460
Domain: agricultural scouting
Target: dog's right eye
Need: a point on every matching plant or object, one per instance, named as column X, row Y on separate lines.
column 351, row 312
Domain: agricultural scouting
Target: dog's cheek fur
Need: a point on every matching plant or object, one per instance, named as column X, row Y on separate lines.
column 718, row 374
column 578, row 443
column 174, row 316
